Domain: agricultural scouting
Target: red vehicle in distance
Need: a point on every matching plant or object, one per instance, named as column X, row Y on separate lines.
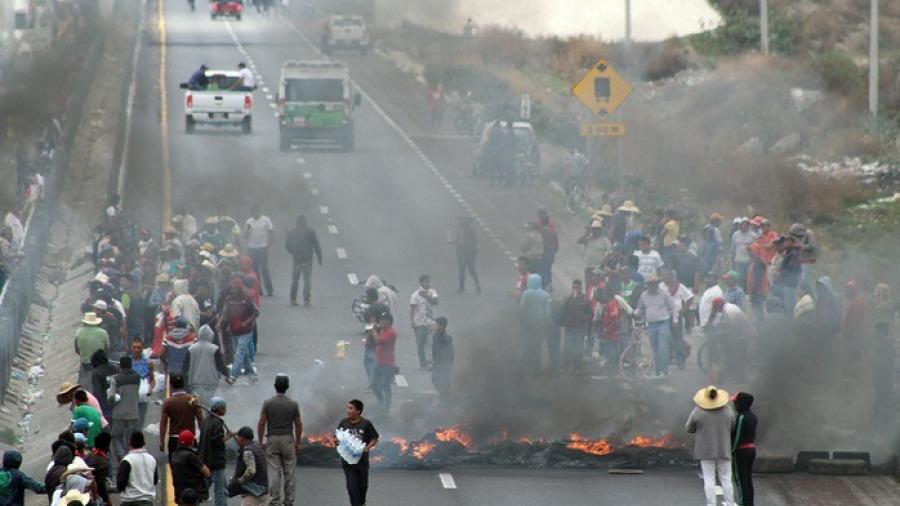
column 226, row 8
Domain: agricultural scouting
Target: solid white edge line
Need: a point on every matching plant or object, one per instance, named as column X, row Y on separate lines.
column 447, row 481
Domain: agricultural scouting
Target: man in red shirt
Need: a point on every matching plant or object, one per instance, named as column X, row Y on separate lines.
column 239, row 317
column 385, row 364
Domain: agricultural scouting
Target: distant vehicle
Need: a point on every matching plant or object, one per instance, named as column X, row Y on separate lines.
column 218, row 105
column 345, row 32
column 527, row 156
column 316, row 102
column 226, row 8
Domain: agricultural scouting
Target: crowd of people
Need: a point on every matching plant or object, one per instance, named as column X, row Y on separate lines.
column 733, row 283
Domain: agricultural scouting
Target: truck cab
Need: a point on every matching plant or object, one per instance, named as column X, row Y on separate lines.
column 316, row 103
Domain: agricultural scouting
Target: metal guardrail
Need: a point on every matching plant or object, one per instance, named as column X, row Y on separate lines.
column 18, row 293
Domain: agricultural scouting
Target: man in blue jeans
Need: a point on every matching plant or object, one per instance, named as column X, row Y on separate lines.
column 239, row 317
column 213, row 435
column 657, row 308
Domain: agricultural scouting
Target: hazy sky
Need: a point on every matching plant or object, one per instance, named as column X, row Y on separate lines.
column 651, row 19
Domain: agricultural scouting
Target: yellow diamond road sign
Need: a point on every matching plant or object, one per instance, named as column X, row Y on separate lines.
column 602, row 89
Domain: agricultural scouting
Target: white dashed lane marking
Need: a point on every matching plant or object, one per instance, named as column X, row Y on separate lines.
column 314, row 191
column 332, row 229
column 351, row 277
column 307, row 175
column 342, row 253
column 323, row 209
column 301, row 160
column 447, row 481
column 400, row 380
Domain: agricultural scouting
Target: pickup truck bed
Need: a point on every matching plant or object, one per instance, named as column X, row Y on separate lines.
column 218, row 106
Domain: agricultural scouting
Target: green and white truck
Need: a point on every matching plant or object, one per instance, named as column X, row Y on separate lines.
column 316, row 103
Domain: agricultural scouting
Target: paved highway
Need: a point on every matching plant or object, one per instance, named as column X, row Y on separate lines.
column 384, row 208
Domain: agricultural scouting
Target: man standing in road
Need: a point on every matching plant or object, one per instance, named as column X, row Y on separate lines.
column 357, row 475
column 442, row 353
column 550, row 241
column 421, row 316
column 205, row 363
column 258, row 235
column 575, row 316
column 711, row 422
column 657, row 308
column 280, row 415
column 123, row 396
column 385, row 359
column 89, row 338
column 137, row 476
column 213, row 435
column 302, row 243
column 179, row 412
column 534, row 322
column 466, row 251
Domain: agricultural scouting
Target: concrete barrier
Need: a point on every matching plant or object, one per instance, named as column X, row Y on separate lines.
column 771, row 464
column 840, row 467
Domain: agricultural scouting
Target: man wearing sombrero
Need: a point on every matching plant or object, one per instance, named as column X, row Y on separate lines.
column 711, row 422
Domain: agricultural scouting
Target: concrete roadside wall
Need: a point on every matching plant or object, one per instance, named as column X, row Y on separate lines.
column 46, row 355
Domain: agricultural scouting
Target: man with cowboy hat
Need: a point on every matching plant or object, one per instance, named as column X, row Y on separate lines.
column 89, row 338
column 711, row 422
column 621, row 221
column 596, row 248
column 66, row 395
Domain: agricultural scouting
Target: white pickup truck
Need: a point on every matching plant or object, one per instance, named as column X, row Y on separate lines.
column 217, row 104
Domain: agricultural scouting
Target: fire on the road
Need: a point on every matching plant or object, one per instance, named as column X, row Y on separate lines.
column 597, row 447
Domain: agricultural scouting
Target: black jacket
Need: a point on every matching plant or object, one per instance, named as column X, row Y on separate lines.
column 186, row 465
column 212, row 442
column 301, row 243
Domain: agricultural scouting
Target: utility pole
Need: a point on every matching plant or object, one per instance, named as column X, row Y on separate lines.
column 628, row 24
column 764, row 26
column 873, row 60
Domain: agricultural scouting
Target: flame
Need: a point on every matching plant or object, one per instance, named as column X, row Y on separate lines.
column 598, row 447
column 454, row 434
column 648, row 442
column 401, row 443
column 376, row 459
column 324, row 439
column 422, row 448
column 529, row 441
column 504, row 434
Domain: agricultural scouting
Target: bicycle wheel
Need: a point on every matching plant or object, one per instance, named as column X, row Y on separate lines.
column 636, row 361
column 576, row 200
column 708, row 359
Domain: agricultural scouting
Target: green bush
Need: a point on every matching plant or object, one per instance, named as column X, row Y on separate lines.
column 739, row 32
column 839, row 72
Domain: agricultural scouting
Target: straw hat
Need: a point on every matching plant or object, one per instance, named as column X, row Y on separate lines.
column 715, row 216
column 209, row 265
column 76, row 467
column 629, row 207
column 208, row 247
column 91, row 319
column 606, row 210
column 711, row 397
column 169, row 229
column 64, row 390
column 73, row 496
column 229, row 251
column 163, row 278
column 596, row 224
column 212, row 220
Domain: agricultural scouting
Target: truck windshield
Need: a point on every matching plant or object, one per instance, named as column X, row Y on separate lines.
column 314, row 90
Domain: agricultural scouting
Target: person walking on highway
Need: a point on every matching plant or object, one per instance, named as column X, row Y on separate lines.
column 743, row 447
column 657, row 308
column 466, row 251
column 89, row 338
column 534, row 322
column 250, row 479
column 258, row 235
column 188, row 470
column 13, row 482
column 137, row 476
column 575, row 314
column 280, row 421
column 442, row 354
column 357, row 475
column 238, row 317
column 421, row 316
column 205, row 363
column 712, row 243
column 302, row 243
column 179, row 412
column 550, row 243
column 711, row 422
column 385, row 360
column 213, row 435
column 123, row 396
column 596, row 248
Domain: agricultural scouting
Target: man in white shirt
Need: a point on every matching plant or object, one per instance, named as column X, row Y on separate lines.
column 741, row 239
column 649, row 260
column 11, row 220
column 258, row 234
column 246, row 81
column 683, row 298
column 421, row 315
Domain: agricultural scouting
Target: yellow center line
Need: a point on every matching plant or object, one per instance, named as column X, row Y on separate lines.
column 164, row 117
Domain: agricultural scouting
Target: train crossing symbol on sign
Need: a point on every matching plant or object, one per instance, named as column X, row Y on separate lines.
column 602, row 89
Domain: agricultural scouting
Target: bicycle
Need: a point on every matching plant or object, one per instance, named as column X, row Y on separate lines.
column 637, row 360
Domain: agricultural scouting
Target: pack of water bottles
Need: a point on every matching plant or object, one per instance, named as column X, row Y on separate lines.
column 349, row 447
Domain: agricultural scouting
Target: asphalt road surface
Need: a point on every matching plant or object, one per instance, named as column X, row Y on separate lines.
column 383, row 208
